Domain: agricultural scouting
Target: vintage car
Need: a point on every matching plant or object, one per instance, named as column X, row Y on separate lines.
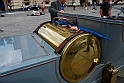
column 52, row 54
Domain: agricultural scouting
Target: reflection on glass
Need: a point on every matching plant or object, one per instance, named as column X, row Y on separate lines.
column 19, row 48
column 80, row 55
column 8, row 53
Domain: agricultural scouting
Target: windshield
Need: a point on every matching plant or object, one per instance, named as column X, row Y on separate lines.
column 19, row 48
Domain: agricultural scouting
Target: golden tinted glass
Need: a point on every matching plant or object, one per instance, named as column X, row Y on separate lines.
column 79, row 57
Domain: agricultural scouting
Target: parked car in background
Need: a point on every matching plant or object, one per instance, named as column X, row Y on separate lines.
column 33, row 6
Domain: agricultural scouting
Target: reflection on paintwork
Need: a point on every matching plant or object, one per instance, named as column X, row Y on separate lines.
column 19, row 48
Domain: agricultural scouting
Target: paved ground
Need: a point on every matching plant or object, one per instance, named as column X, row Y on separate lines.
column 18, row 23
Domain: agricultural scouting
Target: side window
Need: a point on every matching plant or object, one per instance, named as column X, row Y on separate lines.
column 26, row 3
column 8, row 1
column 47, row 2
